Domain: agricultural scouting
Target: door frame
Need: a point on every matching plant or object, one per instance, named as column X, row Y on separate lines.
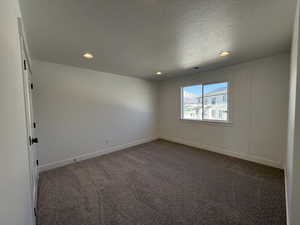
column 31, row 150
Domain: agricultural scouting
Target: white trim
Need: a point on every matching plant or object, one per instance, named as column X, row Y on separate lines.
column 211, row 122
column 24, row 42
column 32, row 168
column 104, row 151
column 286, row 197
column 224, row 151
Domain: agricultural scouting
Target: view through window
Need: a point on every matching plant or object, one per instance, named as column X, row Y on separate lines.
column 205, row 102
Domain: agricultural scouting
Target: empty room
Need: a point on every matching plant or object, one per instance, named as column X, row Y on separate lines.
column 150, row 112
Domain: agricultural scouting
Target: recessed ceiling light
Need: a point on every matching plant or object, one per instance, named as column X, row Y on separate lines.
column 158, row 73
column 88, row 55
column 224, row 53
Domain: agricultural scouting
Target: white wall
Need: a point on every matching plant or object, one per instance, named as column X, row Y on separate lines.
column 293, row 149
column 15, row 203
column 79, row 110
column 259, row 100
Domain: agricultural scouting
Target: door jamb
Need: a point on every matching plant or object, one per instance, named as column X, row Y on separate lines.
column 24, row 54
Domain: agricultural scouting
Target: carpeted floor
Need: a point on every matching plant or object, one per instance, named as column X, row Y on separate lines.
column 162, row 183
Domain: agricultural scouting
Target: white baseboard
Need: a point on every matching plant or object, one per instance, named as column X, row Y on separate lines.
column 115, row 148
column 286, row 197
column 172, row 139
column 225, row 152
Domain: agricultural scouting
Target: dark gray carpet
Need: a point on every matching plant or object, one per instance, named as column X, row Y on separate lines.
column 162, row 183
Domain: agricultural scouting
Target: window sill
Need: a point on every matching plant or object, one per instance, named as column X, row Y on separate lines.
column 210, row 122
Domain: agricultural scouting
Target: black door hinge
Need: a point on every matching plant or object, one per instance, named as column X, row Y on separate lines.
column 30, row 140
column 31, row 86
column 25, row 65
column 37, row 162
column 34, row 125
column 34, row 210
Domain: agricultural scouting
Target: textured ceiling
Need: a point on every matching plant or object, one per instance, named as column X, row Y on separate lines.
column 139, row 37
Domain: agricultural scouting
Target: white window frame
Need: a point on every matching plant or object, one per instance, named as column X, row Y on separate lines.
column 229, row 109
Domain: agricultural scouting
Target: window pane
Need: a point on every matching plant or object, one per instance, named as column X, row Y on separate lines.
column 192, row 102
column 215, row 101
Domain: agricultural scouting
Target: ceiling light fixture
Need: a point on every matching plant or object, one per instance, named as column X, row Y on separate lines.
column 158, row 73
column 224, row 53
column 88, row 55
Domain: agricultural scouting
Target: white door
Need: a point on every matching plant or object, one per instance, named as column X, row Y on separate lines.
column 31, row 125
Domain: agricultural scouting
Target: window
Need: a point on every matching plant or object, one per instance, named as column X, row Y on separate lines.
column 192, row 102
column 213, row 113
column 206, row 102
column 213, row 100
